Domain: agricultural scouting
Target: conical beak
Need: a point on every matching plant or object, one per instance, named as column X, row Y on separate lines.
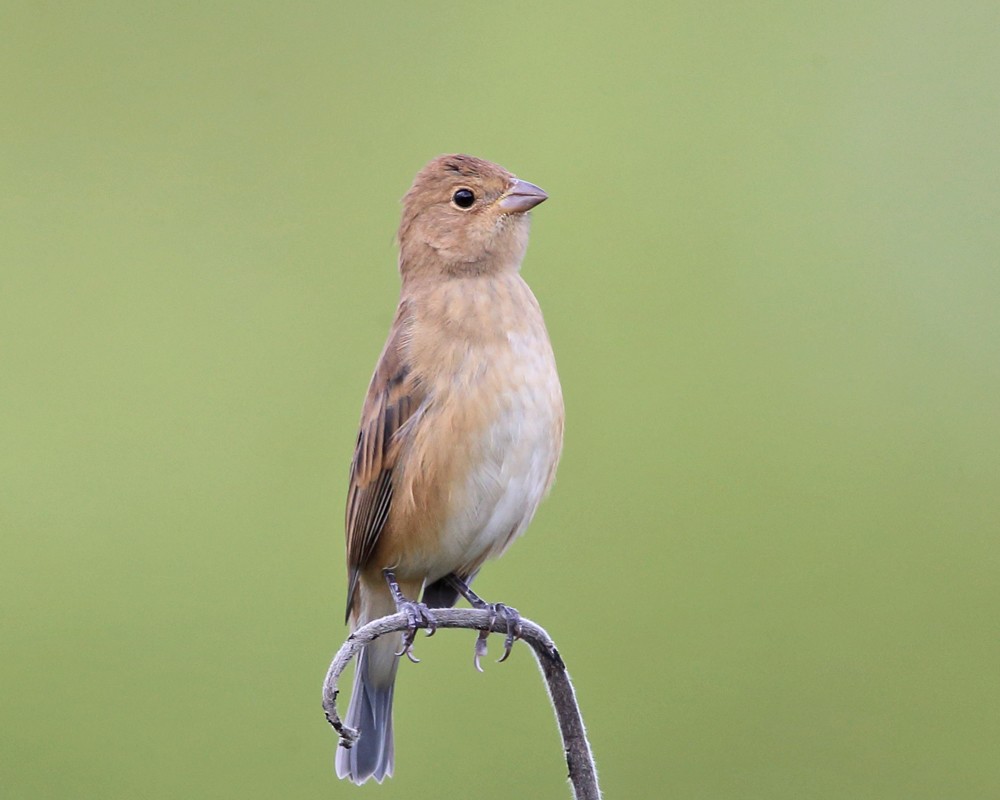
column 521, row 197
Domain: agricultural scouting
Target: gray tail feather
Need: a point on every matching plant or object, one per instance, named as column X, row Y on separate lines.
column 370, row 712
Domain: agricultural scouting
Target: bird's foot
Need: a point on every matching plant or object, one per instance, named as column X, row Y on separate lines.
column 497, row 611
column 418, row 615
column 513, row 620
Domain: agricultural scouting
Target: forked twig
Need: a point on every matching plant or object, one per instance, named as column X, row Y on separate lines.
column 579, row 760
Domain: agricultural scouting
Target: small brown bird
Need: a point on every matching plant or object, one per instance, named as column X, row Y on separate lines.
column 461, row 430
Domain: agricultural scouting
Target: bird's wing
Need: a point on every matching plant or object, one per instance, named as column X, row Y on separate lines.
column 393, row 397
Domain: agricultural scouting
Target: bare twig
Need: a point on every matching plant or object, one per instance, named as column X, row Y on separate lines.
column 582, row 772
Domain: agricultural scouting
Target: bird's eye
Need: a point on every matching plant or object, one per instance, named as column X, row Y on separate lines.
column 463, row 198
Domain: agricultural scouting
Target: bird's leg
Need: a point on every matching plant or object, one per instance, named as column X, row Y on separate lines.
column 504, row 612
column 417, row 616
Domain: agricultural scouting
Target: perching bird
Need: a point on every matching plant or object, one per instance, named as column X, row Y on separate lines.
column 461, row 430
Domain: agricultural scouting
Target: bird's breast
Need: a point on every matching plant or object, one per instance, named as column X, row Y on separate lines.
column 485, row 450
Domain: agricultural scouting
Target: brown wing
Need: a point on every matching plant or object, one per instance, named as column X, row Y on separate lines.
column 393, row 397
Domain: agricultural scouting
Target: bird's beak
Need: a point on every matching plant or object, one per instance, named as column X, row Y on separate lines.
column 521, row 197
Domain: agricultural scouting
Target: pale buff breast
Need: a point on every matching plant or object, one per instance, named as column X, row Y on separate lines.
column 484, row 450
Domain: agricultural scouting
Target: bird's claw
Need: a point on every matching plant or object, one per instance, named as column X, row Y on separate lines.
column 480, row 649
column 513, row 620
column 417, row 616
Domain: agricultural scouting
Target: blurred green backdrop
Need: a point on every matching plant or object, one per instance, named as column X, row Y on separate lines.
column 771, row 271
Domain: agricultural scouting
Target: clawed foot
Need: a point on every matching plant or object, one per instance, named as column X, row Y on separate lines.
column 497, row 610
column 417, row 616
column 513, row 620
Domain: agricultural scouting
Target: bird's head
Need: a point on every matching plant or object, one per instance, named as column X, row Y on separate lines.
column 464, row 215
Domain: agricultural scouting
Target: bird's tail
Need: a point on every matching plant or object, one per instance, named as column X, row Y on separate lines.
column 370, row 711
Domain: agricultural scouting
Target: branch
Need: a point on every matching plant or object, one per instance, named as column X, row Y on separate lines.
column 582, row 772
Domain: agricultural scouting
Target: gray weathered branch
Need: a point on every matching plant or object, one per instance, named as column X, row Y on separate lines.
column 582, row 772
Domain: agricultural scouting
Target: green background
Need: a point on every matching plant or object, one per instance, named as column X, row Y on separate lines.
column 770, row 267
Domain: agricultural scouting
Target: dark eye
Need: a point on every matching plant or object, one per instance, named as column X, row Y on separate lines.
column 463, row 198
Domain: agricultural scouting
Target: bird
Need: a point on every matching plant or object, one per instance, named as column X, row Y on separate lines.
column 461, row 429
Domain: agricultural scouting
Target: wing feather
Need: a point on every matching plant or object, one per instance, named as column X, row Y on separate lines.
column 393, row 397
